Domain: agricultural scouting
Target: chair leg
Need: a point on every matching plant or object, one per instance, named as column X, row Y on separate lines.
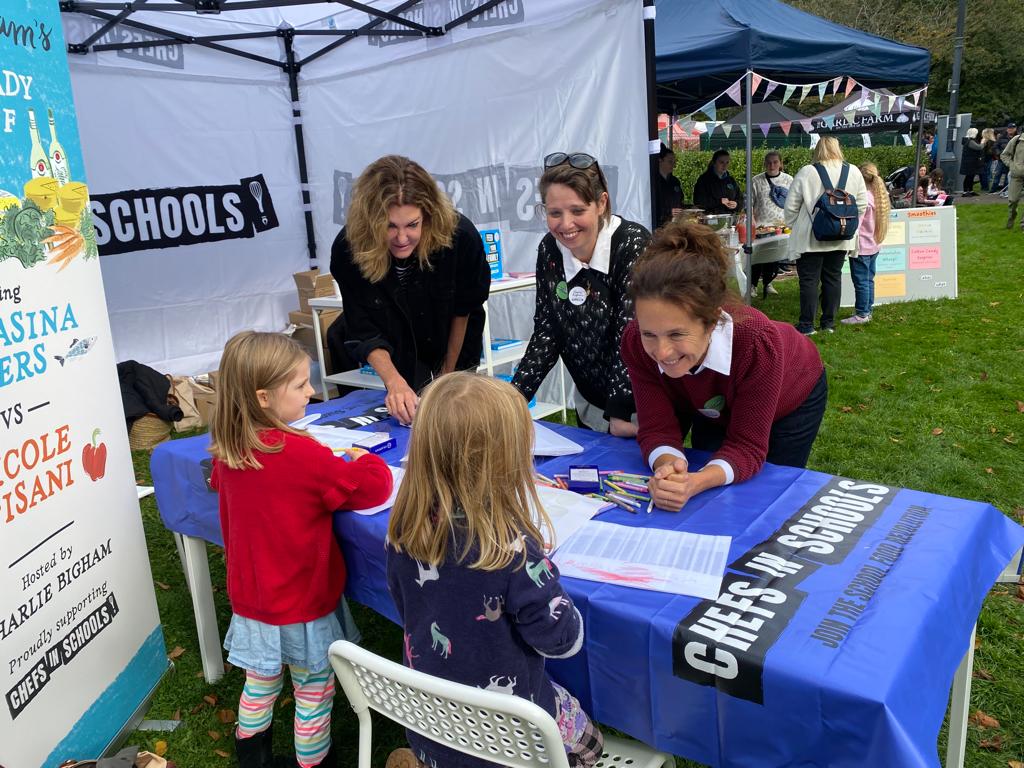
column 365, row 738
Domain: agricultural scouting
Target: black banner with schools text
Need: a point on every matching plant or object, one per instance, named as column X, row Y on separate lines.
column 144, row 219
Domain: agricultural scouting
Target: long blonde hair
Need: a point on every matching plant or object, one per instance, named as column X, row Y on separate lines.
column 827, row 149
column 252, row 360
column 882, row 202
column 395, row 180
column 470, row 469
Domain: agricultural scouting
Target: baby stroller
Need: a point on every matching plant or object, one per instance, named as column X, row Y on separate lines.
column 900, row 184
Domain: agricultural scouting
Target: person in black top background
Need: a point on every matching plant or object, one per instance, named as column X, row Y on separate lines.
column 668, row 192
column 413, row 279
column 716, row 191
column 583, row 268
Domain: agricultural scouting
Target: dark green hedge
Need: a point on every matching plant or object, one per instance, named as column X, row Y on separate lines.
column 690, row 165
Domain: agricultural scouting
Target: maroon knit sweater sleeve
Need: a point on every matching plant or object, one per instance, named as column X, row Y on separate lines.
column 659, row 422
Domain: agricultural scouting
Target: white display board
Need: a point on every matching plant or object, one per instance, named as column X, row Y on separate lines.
column 917, row 260
column 80, row 640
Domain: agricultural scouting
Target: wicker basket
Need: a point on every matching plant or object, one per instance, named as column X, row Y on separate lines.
column 148, row 432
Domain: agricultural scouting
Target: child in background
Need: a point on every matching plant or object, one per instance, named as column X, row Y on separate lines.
column 480, row 603
column 874, row 225
column 278, row 489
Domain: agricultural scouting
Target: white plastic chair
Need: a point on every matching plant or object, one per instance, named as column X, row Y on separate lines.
column 497, row 727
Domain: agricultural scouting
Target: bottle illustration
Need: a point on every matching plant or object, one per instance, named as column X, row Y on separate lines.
column 58, row 158
column 40, row 165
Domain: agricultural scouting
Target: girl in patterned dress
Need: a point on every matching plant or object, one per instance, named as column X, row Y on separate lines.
column 277, row 489
column 480, row 602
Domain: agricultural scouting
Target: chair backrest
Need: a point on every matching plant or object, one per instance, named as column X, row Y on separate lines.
column 497, row 727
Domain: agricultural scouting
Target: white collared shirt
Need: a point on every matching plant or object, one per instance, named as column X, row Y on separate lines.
column 601, row 258
column 718, row 359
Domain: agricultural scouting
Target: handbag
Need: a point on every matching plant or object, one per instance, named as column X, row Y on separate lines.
column 777, row 194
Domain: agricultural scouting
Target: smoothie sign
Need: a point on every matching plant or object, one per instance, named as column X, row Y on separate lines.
column 80, row 640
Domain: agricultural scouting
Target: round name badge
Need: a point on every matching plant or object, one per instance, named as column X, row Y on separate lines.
column 577, row 296
column 562, row 291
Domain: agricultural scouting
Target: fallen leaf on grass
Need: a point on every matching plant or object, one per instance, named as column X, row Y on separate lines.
column 162, row 585
column 991, row 430
column 846, row 409
column 215, row 735
column 862, row 406
column 1020, row 591
column 160, row 748
column 982, row 720
column 221, row 753
column 226, row 716
column 989, row 471
column 285, row 701
column 176, row 653
column 937, row 431
column 176, row 715
column 895, row 440
column 1009, row 440
column 977, row 642
column 994, row 303
column 210, row 699
column 1015, row 764
column 983, row 674
column 1020, row 406
column 983, row 376
column 1019, row 512
column 995, row 744
column 197, row 708
column 199, row 674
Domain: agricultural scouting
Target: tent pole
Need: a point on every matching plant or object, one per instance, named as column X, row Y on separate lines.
column 653, row 142
column 920, row 133
column 300, row 145
column 748, row 249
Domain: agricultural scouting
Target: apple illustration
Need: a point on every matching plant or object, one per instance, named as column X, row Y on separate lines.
column 94, row 458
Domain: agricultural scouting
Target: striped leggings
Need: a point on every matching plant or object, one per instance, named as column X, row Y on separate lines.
column 314, row 695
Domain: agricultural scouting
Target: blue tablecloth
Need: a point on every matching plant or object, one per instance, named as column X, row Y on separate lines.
column 844, row 613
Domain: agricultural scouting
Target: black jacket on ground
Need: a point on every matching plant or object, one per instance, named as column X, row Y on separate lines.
column 709, row 191
column 144, row 390
column 413, row 325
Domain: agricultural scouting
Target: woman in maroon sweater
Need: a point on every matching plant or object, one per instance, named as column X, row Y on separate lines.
column 747, row 388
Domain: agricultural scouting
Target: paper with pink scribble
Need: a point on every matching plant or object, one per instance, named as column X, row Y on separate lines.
column 646, row 558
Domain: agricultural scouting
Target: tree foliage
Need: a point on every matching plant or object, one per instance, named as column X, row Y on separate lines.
column 991, row 78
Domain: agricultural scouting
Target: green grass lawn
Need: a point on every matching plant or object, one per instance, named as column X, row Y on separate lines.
column 930, row 396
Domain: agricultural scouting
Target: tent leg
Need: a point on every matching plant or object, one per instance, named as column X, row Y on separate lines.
column 920, row 133
column 300, row 144
column 653, row 143
column 748, row 248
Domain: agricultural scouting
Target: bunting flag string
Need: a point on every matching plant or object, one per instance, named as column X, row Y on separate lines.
column 710, row 110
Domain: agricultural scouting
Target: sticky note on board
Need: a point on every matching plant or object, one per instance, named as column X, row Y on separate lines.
column 891, row 259
column 924, row 231
column 925, row 257
column 891, row 285
column 896, row 234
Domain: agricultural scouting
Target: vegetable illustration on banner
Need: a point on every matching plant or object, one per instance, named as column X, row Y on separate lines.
column 80, row 637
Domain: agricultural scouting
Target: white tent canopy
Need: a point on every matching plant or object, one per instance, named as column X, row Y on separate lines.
column 478, row 105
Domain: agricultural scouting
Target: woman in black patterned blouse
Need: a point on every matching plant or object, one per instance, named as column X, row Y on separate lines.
column 583, row 268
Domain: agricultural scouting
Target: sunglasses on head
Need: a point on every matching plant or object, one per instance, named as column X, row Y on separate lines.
column 580, row 160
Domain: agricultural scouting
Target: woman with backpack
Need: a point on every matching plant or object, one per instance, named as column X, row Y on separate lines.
column 823, row 208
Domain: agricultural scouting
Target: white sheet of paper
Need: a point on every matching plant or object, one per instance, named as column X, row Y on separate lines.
column 568, row 512
column 336, row 438
column 646, row 558
column 397, row 473
column 144, row 490
column 547, row 442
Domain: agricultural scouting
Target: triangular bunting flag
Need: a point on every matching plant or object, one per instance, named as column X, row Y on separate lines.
column 806, row 125
column 770, row 85
column 913, row 97
column 765, row 127
column 865, row 99
column 700, row 127
column 850, row 82
column 830, row 121
column 733, row 92
column 804, row 90
column 789, row 92
column 850, row 115
column 755, row 81
column 876, row 106
column 743, row 127
column 785, row 125
column 892, row 100
column 836, row 83
column 821, row 91
column 709, row 110
column 726, row 129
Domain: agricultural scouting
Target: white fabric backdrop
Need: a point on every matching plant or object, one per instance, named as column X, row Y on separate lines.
column 479, row 109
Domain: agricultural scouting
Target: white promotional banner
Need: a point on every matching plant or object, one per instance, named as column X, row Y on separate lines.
column 479, row 107
column 81, row 646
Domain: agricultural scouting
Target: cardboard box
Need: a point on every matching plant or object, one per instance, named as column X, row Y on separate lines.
column 304, row 335
column 310, row 284
column 306, row 319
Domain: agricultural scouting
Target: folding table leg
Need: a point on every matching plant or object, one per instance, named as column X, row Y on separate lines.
column 197, row 573
column 958, row 708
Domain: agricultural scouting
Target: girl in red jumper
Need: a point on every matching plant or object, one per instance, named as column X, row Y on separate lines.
column 278, row 489
column 747, row 388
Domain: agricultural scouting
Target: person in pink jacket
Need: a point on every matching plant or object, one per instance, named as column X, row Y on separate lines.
column 874, row 224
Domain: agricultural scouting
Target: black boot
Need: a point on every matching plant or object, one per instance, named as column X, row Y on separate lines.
column 252, row 752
